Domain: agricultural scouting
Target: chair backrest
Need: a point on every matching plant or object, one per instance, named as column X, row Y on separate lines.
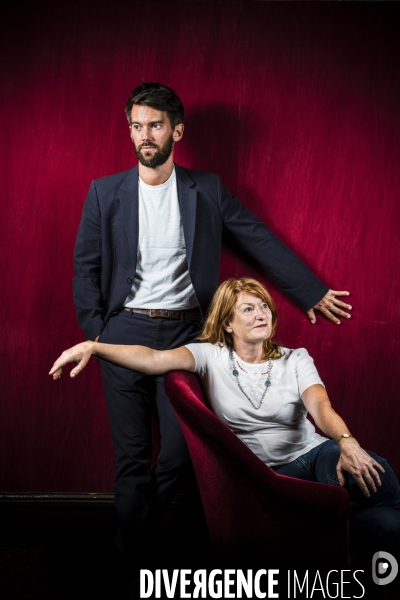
column 249, row 509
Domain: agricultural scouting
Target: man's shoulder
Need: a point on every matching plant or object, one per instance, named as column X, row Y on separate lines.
column 199, row 177
column 115, row 180
column 121, row 177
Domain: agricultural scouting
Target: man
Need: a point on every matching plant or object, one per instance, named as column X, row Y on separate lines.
column 146, row 267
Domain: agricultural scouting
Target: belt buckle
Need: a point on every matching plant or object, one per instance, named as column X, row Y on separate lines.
column 150, row 311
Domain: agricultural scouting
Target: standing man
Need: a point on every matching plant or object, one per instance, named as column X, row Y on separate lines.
column 146, row 267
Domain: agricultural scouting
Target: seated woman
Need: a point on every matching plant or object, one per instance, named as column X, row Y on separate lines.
column 263, row 392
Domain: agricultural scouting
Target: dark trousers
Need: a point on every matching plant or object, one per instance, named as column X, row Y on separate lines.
column 375, row 519
column 141, row 493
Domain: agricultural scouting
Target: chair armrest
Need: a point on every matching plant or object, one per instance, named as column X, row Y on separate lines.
column 321, row 499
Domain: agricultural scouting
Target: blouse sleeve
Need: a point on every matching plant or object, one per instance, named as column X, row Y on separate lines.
column 200, row 357
column 306, row 371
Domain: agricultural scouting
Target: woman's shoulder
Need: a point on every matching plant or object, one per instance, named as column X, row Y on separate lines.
column 294, row 354
column 206, row 355
column 211, row 351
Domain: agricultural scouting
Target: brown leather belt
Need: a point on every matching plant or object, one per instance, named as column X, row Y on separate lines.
column 192, row 314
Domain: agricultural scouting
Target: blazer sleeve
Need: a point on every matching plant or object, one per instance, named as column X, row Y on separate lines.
column 289, row 272
column 86, row 282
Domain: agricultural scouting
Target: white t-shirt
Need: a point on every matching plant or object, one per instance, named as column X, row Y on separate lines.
column 279, row 431
column 162, row 277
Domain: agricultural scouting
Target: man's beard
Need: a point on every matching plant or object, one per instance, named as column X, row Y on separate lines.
column 159, row 157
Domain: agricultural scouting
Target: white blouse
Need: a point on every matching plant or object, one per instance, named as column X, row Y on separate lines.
column 279, row 431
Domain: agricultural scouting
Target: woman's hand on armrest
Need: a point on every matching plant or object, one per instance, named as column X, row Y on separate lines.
column 354, row 460
column 138, row 358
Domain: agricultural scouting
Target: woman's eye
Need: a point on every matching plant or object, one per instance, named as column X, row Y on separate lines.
column 247, row 309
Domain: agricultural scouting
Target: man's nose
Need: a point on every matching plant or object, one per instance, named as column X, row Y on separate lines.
column 146, row 132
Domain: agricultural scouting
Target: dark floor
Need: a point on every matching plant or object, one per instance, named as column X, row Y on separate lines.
column 60, row 549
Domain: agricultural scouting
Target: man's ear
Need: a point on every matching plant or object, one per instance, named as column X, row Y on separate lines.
column 178, row 132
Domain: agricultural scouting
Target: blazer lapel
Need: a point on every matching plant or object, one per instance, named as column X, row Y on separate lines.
column 187, row 196
column 129, row 198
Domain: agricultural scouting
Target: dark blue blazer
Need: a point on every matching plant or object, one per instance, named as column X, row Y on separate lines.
column 106, row 245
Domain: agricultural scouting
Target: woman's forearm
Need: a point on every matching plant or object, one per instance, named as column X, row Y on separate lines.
column 325, row 417
column 353, row 459
column 137, row 358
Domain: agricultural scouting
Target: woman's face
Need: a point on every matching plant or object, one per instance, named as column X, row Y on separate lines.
column 252, row 319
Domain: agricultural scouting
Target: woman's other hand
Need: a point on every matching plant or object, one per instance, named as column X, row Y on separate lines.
column 360, row 465
column 78, row 354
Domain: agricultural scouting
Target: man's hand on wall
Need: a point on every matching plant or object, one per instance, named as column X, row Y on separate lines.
column 331, row 307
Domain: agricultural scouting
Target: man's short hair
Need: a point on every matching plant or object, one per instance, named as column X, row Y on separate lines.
column 157, row 96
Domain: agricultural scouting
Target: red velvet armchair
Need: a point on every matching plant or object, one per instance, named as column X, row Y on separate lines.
column 251, row 512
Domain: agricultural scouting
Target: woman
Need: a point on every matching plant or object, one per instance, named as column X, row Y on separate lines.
column 263, row 392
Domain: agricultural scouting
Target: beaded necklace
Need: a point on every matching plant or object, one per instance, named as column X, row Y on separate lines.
column 235, row 373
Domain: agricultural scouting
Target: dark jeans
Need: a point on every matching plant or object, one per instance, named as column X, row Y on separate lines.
column 141, row 493
column 376, row 517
